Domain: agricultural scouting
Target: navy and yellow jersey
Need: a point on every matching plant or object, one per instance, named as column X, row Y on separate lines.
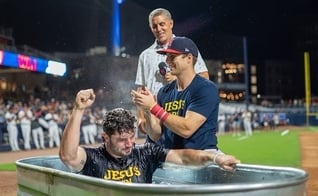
column 138, row 167
column 202, row 97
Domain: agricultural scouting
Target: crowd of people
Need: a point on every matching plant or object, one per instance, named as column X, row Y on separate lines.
column 38, row 124
column 244, row 122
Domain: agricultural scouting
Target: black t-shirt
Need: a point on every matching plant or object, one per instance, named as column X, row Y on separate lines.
column 35, row 124
column 138, row 167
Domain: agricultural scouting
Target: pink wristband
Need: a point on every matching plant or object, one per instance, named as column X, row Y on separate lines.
column 164, row 117
column 159, row 112
column 155, row 109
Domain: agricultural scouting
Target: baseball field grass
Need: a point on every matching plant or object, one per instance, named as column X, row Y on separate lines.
column 274, row 148
column 7, row 167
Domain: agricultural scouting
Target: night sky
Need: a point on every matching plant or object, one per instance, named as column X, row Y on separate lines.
column 275, row 29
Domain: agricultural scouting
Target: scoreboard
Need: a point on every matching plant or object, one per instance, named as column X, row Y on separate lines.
column 35, row 64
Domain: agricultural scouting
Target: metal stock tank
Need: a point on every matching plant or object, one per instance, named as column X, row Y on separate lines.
column 47, row 175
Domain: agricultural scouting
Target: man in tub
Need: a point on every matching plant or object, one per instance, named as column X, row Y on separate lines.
column 119, row 158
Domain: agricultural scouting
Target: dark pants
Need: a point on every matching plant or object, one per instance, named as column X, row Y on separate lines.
column 3, row 129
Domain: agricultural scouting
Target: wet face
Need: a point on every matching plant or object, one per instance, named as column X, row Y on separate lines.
column 161, row 27
column 120, row 145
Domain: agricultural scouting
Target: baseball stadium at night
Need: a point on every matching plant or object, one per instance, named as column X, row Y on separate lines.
column 158, row 97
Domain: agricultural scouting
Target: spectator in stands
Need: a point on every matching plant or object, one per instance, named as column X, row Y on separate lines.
column 3, row 125
column 221, row 124
column 265, row 121
column 25, row 115
column 276, row 120
column 11, row 118
column 236, row 123
column 54, row 134
column 89, row 127
column 37, row 131
column 255, row 120
column 247, row 122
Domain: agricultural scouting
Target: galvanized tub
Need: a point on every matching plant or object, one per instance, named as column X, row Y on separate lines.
column 47, row 175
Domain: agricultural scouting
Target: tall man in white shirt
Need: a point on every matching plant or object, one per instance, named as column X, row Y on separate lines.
column 148, row 73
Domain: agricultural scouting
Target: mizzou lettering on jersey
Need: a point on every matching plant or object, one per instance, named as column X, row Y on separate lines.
column 122, row 175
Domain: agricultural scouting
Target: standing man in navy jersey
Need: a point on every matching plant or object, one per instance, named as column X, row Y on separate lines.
column 186, row 110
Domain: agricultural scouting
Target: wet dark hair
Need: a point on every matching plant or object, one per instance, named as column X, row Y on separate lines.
column 119, row 120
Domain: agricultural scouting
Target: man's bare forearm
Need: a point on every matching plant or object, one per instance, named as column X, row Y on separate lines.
column 71, row 136
column 154, row 131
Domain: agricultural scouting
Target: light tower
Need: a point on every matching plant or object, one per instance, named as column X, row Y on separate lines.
column 115, row 34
